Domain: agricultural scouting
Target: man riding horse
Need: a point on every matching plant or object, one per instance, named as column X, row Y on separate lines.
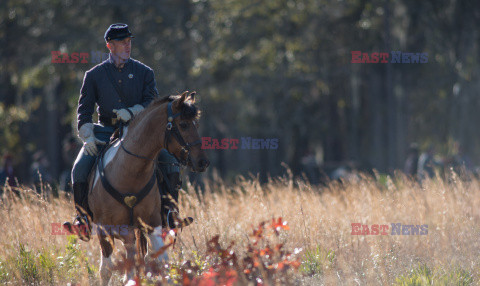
column 121, row 87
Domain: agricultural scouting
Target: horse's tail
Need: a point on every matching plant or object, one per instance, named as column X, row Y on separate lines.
column 141, row 242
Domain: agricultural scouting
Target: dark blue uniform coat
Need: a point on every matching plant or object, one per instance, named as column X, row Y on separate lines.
column 135, row 79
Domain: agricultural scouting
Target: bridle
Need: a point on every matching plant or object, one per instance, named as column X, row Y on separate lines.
column 172, row 129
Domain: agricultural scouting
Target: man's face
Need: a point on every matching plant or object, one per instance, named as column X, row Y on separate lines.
column 120, row 48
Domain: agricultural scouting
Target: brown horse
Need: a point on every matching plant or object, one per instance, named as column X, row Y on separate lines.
column 130, row 167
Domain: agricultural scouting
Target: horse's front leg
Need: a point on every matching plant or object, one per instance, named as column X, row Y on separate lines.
column 129, row 243
column 106, row 264
column 155, row 244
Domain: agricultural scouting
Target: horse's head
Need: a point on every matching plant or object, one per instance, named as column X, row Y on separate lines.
column 181, row 137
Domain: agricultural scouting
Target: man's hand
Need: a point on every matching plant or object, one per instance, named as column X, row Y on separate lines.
column 89, row 141
column 123, row 114
column 90, row 145
column 136, row 109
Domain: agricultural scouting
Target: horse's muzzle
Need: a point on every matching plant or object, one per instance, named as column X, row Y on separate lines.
column 202, row 165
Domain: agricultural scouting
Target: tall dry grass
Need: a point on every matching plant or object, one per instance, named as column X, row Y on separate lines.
column 319, row 217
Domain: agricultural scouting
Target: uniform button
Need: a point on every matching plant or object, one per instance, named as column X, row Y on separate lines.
column 119, row 81
column 119, row 100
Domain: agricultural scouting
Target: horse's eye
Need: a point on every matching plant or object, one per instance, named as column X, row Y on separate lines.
column 183, row 125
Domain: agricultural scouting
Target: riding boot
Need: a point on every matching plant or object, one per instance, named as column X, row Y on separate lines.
column 170, row 216
column 80, row 225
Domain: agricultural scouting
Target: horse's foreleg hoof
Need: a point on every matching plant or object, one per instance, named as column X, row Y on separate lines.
column 131, row 282
column 128, row 279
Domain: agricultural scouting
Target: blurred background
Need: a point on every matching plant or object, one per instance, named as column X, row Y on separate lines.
column 262, row 69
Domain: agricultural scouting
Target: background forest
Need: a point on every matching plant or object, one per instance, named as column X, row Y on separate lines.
column 262, row 69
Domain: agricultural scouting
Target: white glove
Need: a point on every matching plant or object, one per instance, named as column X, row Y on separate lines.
column 89, row 141
column 122, row 114
column 136, row 109
column 90, row 145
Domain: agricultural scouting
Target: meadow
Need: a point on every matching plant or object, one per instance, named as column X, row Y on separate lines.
column 306, row 237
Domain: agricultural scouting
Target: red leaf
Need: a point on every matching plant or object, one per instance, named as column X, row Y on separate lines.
column 266, row 251
column 210, row 273
column 256, row 263
column 186, row 280
column 278, row 247
column 279, row 224
column 295, row 263
column 206, row 282
column 161, row 250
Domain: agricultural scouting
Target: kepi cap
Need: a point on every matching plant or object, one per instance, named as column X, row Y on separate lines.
column 117, row 31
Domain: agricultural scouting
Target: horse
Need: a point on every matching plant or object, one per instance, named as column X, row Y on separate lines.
column 129, row 164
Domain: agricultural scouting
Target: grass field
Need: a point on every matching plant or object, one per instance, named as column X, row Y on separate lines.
column 319, row 235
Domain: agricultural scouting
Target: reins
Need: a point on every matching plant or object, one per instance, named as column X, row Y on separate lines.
column 135, row 155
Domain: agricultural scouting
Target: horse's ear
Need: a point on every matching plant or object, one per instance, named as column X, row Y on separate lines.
column 192, row 96
column 182, row 99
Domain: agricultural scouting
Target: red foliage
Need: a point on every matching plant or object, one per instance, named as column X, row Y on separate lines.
column 279, row 225
column 261, row 265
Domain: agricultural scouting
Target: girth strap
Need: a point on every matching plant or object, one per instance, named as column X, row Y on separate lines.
column 129, row 200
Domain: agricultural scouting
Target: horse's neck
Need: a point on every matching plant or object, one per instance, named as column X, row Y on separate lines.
column 146, row 137
column 143, row 139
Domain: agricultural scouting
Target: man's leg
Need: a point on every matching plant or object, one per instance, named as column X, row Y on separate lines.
column 81, row 168
column 170, row 169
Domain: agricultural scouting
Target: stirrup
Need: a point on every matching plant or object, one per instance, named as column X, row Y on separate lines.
column 80, row 227
column 177, row 222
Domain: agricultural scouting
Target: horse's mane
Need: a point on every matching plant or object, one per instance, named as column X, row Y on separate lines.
column 188, row 110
